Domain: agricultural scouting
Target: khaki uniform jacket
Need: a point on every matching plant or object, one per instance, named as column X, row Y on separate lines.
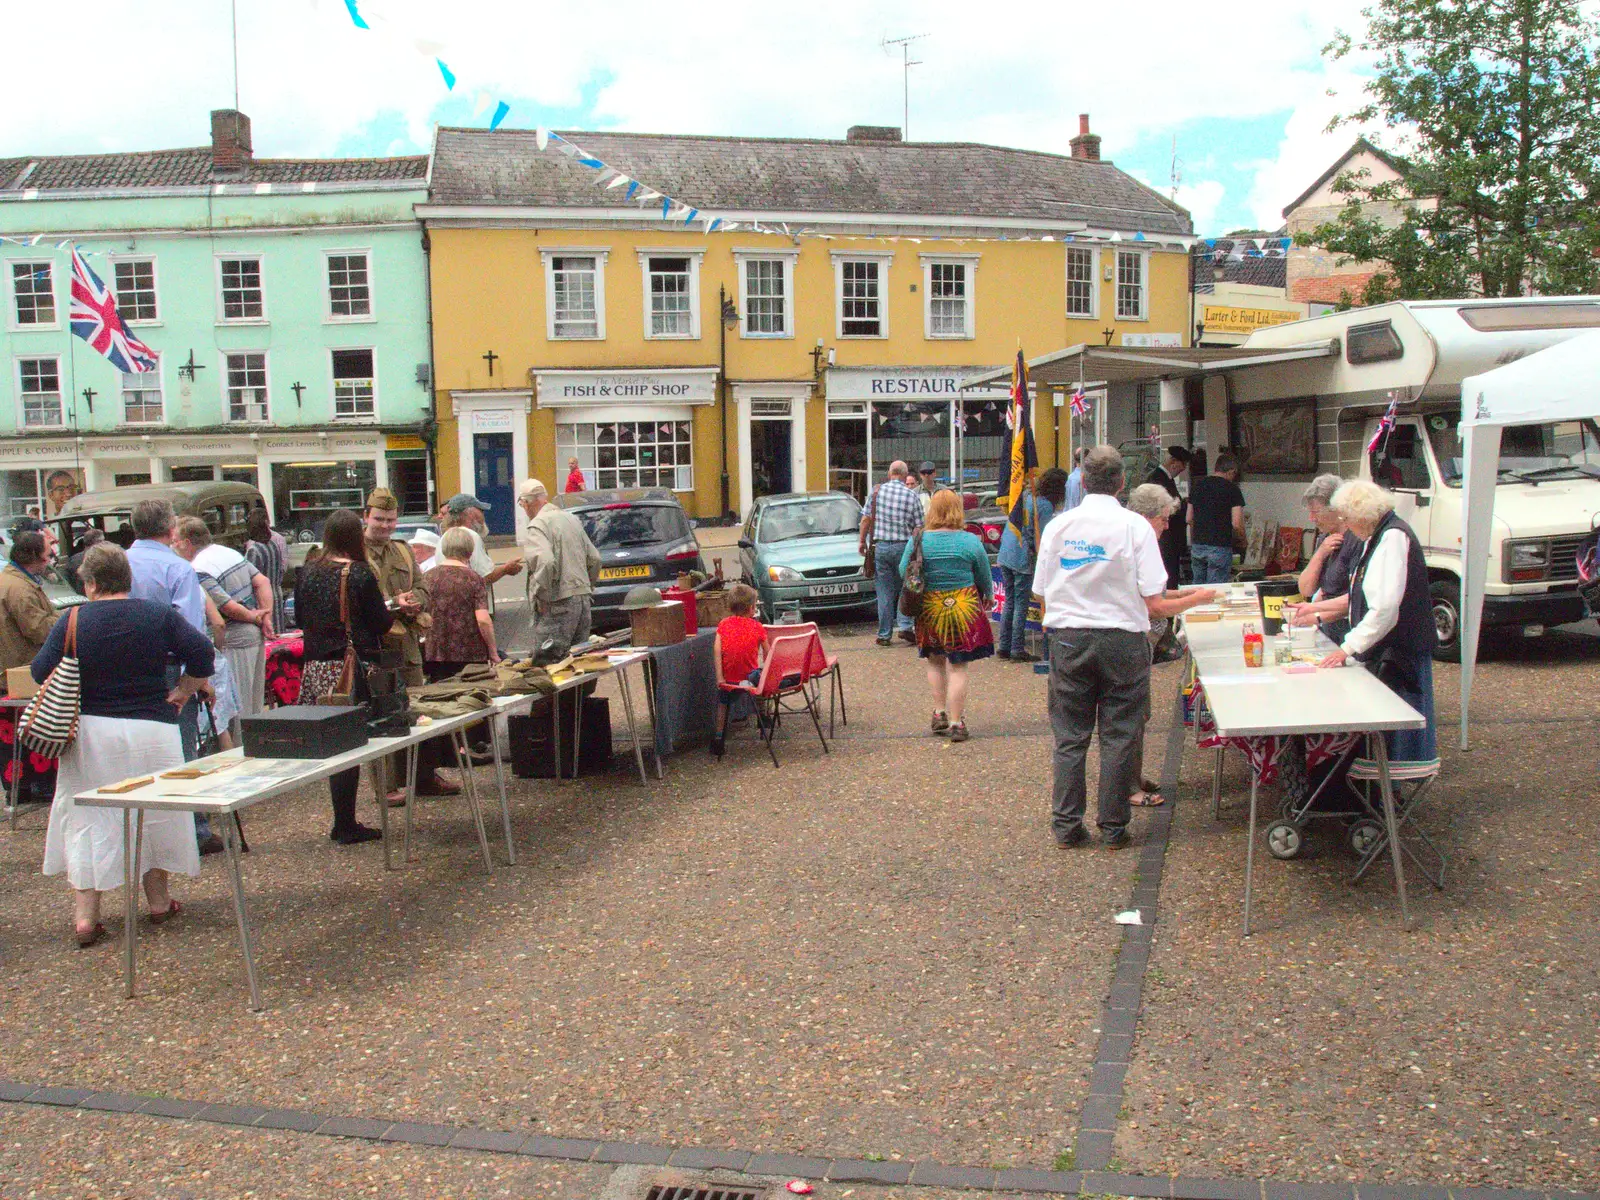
column 26, row 618
column 562, row 561
column 397, row 572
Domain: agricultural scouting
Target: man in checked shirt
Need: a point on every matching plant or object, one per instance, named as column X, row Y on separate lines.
column 891, row 519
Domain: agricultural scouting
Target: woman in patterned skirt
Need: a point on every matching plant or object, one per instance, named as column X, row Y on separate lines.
column 952, row 626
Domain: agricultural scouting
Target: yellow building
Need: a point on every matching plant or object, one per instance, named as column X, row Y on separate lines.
column 569, row 323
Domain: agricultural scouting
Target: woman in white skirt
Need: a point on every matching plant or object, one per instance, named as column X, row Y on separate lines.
column 129, row 727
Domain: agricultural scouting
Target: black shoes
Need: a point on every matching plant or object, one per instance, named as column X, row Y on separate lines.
column 885, row 641
column 210, row 844
column 1114, row 839
column 908, row 636
column 355, row 835
column 1077, row 836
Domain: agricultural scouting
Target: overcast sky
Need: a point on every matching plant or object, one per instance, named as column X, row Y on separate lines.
column 1242, row 86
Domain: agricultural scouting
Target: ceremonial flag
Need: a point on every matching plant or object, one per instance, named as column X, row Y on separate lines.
column 1385, row 424
column 1080, row 403
column 95, row 319
column 1024, row 457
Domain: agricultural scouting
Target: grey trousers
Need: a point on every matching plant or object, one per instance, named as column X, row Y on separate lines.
column 1096, row 675
column 565, row 622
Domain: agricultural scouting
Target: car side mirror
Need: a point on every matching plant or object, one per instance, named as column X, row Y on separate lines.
column 746, row 544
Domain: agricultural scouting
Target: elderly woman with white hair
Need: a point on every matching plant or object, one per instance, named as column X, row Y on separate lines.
column 1156, row 505
column 1391, row 614
column 1325, row 582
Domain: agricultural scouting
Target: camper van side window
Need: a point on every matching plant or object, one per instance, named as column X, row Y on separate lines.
column 1373, row 343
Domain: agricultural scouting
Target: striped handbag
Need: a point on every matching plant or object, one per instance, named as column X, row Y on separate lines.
column 50, row 722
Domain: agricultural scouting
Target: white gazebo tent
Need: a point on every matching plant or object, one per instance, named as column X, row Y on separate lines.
column 1558, row 384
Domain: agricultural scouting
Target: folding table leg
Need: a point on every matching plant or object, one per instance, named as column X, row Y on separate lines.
column 633, row 726
column 230, row 842
column 1250, row 853
column 1216, row 787
column 411, row 797
column 647, row 676
column 1380, row 754
column 469, row 788
column 500, row 782
column 130, row 886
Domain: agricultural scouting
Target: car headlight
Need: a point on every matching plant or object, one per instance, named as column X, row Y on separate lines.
column 1526, row 562
column 784, row 575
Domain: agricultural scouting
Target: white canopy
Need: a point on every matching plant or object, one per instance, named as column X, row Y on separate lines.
column 1558, row 384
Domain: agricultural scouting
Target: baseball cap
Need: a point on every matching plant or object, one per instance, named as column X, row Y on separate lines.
column 927, row 468
column 461, row 501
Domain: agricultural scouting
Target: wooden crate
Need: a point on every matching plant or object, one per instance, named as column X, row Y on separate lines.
column 713, row 609
column 19, row 683
column 658, row 625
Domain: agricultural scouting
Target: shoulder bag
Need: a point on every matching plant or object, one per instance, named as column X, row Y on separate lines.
column 50, row 722
column 914, row 587
column 869, row 553
column 333, row 682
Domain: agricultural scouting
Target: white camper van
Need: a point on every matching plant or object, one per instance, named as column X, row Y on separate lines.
column 1418, row 352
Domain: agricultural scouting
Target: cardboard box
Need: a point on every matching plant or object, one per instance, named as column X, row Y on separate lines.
column 19, row 683
column 658, row 625
column 713, row 609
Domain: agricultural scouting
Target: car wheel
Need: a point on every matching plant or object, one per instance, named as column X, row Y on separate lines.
column 1446, row 596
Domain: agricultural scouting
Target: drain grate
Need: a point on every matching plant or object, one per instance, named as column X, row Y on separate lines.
column 701, row 1193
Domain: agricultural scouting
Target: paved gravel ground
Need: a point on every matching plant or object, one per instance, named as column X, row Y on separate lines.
column 1332, row 1045
column 880, row 951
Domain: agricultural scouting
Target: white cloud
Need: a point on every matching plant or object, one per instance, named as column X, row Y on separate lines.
column 1307, row 149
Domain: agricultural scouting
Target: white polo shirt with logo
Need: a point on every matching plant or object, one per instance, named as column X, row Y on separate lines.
column 1097, row 563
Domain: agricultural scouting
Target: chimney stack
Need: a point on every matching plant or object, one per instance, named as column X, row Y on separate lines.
column 873, row 133
column 1086, row 145
column 230, row 141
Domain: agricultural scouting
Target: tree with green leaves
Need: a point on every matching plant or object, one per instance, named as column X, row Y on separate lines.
column 1496, row 107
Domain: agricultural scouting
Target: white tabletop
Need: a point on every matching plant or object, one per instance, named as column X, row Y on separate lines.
column 1260, row 701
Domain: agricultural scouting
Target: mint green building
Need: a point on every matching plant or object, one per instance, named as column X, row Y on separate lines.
column 287, row 299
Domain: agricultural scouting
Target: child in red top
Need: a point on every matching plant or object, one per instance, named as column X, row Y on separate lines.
column 741, row 646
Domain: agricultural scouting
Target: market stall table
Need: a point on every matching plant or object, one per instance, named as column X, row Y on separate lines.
column 1268, row 701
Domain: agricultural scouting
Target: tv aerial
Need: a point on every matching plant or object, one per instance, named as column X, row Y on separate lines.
column 906, row 62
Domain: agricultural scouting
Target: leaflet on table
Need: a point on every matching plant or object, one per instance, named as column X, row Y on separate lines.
column 255, row 775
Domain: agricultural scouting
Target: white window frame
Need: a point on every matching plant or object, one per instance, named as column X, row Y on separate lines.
column 1144, row 285
column 1093, row 281
column 969, row 324
column 60, row 393
column 55, row 295
column 787, row 258
column 227, row 399
column 333, row 388
column 328, row 315
column 155, row 287
column 646, row 253
column 549, row 254
column 158, row 377
column 884, row 259
column 568, row 417
column 261, row 271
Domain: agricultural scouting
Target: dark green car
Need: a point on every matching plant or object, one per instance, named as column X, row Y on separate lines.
column 798, row 550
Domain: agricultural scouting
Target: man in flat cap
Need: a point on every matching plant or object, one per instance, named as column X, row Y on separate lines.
column 563, row 565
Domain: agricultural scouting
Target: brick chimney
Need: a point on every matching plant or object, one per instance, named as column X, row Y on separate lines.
column 230, row 140
column 873, row 133
column 1086, row 145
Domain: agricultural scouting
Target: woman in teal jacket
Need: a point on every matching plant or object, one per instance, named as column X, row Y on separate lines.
column 953, row 622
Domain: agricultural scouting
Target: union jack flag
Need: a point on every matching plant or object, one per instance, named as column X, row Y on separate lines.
column 95, row 319
column 1080, row 403
column 1385, row 424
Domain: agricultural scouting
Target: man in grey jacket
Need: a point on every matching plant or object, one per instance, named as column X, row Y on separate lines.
column 563, row 565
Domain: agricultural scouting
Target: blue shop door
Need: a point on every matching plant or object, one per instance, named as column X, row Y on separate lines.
column 493, row 479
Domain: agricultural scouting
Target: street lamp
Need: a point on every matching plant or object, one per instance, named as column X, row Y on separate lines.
column 730, row 317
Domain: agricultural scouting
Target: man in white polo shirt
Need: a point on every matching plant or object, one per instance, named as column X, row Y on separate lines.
column 1102, row 579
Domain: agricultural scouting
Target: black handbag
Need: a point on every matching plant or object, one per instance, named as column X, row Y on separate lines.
column 914, row 587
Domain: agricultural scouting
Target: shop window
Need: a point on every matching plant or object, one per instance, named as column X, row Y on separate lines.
column 39, row 384
column 353, row 385
column 669, row 291
column 131, row 479
column 305, row 494
column 141, row 397
column 630, row 454
column 1081, row 288
column 1372, row 343
column 910, row 431
column 1130, row 285
column 861, row 298
column 240, row 473
column 767, row 297
column 575, row 297
column 192, row 474
column 33, row 291
column 239, row 287
column 349, row 286
column 948, row 286
column 20, row 494
column 247, row 387
column 408, row 480
column 135, row 282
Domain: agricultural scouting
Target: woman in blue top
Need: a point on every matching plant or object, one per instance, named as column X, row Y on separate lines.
column 1016, row 561
column 953, row 623
column 128, row 727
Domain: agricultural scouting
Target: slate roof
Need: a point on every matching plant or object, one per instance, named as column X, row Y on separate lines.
column 192, row 168
column 1218, row 264
column 922, row 179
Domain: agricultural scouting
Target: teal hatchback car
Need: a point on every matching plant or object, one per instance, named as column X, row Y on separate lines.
column 799, row 549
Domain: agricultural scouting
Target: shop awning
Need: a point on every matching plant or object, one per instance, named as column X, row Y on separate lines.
column 1101, row 365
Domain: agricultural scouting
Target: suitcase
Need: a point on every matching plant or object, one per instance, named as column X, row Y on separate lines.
column 531, row 754
column 304, row 731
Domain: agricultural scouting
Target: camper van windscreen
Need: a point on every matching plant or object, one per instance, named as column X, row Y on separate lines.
column 1510, row 318
column 1373, row 343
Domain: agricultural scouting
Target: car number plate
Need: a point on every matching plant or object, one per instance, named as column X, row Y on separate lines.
column 831, row 589
column 640, row 572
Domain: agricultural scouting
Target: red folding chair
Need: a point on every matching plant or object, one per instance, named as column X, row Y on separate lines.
column 821, row 663
column 784, row 676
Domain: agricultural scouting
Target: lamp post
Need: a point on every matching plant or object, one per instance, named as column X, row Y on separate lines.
column 729, row 314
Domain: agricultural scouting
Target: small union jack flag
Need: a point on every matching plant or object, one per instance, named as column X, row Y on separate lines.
column 95, row 319
column 1080, row 403
column 1385, row 424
